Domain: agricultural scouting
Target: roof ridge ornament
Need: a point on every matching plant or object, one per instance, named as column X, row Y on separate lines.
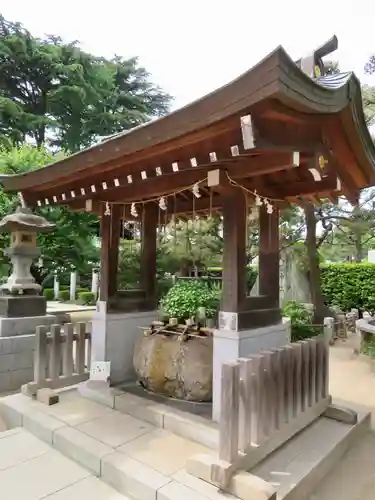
column 312, row 64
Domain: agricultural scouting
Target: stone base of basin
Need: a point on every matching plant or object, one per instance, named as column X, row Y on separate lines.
column 183, row 370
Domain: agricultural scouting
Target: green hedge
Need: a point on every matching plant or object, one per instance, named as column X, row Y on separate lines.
column 49, row 293
column 349, row 285
column 64, row 295
column 86, row 298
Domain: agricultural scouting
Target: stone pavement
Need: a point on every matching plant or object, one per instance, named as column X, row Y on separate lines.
column 32, row 470
column 133, row 456
column 55, row 307
column 142, row 460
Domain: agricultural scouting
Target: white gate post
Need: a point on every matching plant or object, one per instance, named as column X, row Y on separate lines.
column 73, row 285
column 56, row 287
column 95, row 282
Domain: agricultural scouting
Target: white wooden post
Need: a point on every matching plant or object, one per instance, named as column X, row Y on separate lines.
column 80, row 347
column 228, row 440
column 55, row 353
column 73, row 285
column 245, row 404
column 329, row 330
column 40, row 355
column 68, row 350
column 56, row 287
column 95, row 282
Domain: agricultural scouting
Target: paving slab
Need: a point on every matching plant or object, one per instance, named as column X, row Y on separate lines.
column 163, row 451
column 115, row 428
column 39, row 476
column 32, row 470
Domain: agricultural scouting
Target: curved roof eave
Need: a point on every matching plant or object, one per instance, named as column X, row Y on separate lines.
column 331, row 96
column 357, row 133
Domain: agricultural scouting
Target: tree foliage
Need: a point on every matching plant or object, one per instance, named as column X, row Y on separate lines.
column 71, row 244
column 191, row 244
column 53, row 92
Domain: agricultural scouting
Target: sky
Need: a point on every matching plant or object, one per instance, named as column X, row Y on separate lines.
column 191, row 48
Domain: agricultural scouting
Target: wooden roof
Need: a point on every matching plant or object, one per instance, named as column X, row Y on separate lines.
column 283, row 109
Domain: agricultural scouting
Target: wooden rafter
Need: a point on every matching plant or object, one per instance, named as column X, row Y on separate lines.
column 138, row 188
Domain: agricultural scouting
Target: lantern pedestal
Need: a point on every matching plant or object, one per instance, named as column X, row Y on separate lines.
column 24, row 326
column 22, row 308
column 23, row 305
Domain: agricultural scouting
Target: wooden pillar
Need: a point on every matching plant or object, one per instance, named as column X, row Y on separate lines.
column 148, row 252
column 269, row 255
column 110, row 229
column 234, row 255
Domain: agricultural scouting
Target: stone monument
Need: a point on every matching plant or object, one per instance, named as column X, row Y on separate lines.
column 22, row 307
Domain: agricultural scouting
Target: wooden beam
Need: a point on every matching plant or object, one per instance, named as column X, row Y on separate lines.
column 290, row 190
column 238, row 168
column 275, row 110
column 343, row 160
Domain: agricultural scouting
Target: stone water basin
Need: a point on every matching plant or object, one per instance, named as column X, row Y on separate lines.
column 178, row 369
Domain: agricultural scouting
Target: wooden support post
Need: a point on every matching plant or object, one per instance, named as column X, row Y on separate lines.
column 228, row 439
column 80, row 349
column 256, row 398
column 68, row 350
column 110, row 228
column 245, row 409
column 148, row 252
column 305, row 375
column 40, row 355
column 312, row 383
column 234, row 255
column 320, row 348
column 289, row 362
column 297, row 383
column 269, row 257
column 55, row 353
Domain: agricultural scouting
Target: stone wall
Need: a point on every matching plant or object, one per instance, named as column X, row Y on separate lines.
column 16, row 361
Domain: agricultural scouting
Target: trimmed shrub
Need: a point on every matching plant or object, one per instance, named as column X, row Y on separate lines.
column 86, row 298
column 64, row 295
column 186, row 296
column 49, row 293
column 301, row 321
column 349, row 285
column 81, row 289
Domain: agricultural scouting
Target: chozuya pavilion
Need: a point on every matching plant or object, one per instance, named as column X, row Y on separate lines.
column 281, row 133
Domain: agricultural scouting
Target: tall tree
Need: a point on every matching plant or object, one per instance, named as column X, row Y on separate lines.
column 55, row 93
column 71, row 244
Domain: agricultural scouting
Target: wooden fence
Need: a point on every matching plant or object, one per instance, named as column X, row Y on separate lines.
column 61, row 357
column 267, row 399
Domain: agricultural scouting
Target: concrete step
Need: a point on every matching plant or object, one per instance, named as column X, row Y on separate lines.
column 135, row 452
column 132, row 456
column 30, row 469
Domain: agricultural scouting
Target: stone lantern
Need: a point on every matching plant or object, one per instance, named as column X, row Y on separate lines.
column 20, row 295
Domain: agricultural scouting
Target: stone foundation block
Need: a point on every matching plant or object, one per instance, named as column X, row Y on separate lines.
column 47, row 396
column 25, row 325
